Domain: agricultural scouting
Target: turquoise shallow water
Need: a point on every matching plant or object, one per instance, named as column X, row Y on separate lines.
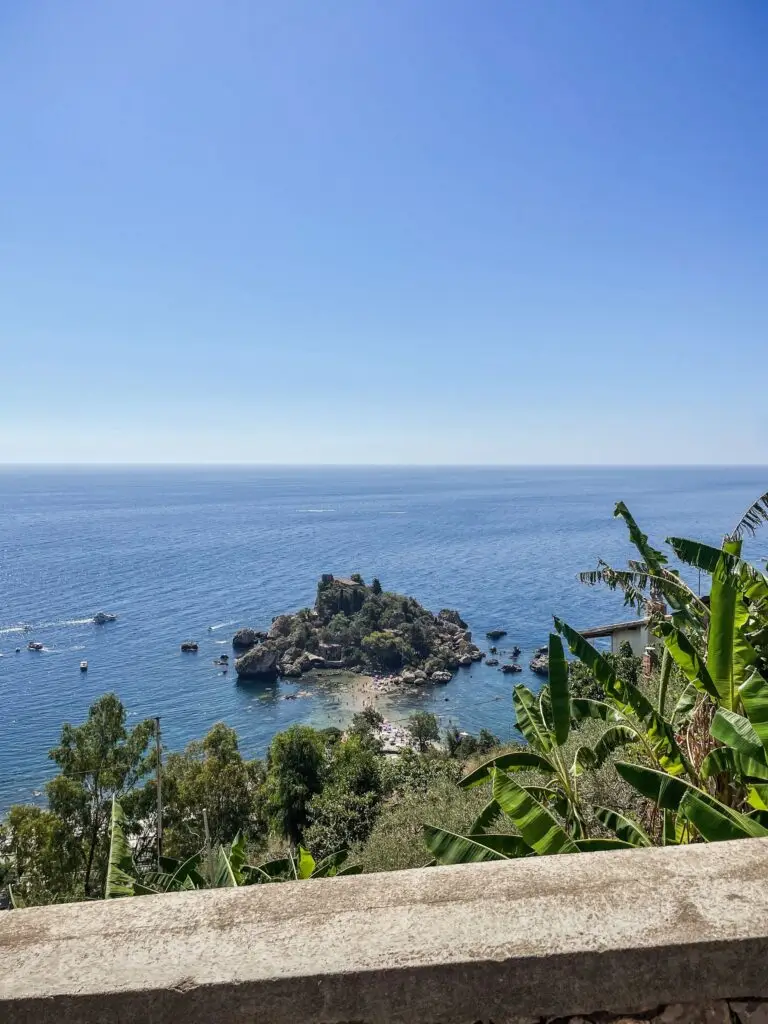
column 176, row 551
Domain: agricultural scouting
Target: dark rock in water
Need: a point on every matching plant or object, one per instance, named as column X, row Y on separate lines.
column 496, row 634
column 100, row 618
column 245, row 638
column 510, row 668
column 516, row 652
column 34, row 645
column 492, row 661
column 441, row 677
column 260, row 662
column 492, row 650
column 540, row 664
column 224, row 658
column 190, row 647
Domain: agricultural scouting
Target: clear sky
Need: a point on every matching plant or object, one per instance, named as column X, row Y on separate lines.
column 432, row 231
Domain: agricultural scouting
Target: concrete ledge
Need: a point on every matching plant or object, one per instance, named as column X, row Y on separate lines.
column 608, row 931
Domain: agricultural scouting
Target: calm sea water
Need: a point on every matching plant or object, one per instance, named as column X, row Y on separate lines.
column 194, row 553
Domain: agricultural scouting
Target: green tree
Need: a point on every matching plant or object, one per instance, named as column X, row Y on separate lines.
column 296, row 769
column 98, row 760
column 45, row 863
column 376, row 585
column 211, row 775
column 423, row 726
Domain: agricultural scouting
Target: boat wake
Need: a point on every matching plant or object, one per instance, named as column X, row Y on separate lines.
column 221, row 625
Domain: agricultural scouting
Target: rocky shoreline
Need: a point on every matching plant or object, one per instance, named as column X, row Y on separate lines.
column 360, row 628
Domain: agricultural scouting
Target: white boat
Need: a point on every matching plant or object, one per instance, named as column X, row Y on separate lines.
column 83, row 666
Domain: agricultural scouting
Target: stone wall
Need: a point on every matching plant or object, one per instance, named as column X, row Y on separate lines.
column 587, row 936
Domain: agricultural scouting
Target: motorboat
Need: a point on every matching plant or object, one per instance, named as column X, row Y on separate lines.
column 83, row 666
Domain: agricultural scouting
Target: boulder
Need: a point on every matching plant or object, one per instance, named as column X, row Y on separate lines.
column 101, row 617
column 465, row 660
column 420, row 676
column 511, row 668
column 516, row 651
column 245, row 638
column 441, row 677
column 476, row 654
column 408, row 677
column 260, row 662
column 290, row 669
column 281, row 625
column 307, row 662
column 449, row 615
column 190, row 647
column 492, row 661
column 540, row 664
column 496, row 634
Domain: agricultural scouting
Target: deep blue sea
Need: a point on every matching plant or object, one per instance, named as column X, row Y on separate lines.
column 182, row 553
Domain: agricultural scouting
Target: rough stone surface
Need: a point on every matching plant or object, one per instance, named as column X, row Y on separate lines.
column 259, row 662
column 245, row 638
column 536, row 939
column 750, row 1011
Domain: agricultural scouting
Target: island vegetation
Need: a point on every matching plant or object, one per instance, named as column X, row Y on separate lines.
column 361, row 628
column 609, row 755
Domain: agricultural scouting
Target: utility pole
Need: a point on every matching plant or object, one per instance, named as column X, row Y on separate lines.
column 159, row 792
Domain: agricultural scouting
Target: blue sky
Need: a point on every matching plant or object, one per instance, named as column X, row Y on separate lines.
column 427, row 231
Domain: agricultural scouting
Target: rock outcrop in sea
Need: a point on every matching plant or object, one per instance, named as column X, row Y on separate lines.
column 360, row 628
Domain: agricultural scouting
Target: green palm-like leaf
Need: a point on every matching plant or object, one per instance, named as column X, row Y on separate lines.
column 659, row 733
column 687, row 657
column 736, row 731
column 329, row 866
column 450, row 848
column 756, row 514
column 715, row 821
column 538, row 827
column 304, row 864
column 724, row 760
column 529, row 719
column 613, row 738
column 585, row 707
column 120, row 881
column 558, row 689
column 685, row 704
column 723, row 565
column 485, row 818
column 517, row 761
column 722, row 626
column 665, row 790
column 601, row 844
column 626, row 829
column 652, row 557
column 754, row 697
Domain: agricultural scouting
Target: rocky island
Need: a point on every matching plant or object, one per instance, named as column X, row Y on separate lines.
column 360, row 628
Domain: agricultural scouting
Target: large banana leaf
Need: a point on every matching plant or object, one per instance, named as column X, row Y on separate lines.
column 601, row 844
column 558, row 689
column 653, row 558
column 330, row 865
column 629, row 699
column 685, row 704
column 529, row 719
column 626, row 829
column 517, row 761
column 613, row 738
column 687, row 657
column 736, row 731
column 585, row 707
column 303, row 864
column 538, row 827
column 485, row 818
column 715, row 821
column 722, row 626
column 754, row 697
column 665, row 790
column 756, row 514
column 450, row 848
column 723, row 565
column 735, row 765
column 120, row 881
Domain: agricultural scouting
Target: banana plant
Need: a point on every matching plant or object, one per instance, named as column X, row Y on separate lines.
column 548, row 818
column 214, row 867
